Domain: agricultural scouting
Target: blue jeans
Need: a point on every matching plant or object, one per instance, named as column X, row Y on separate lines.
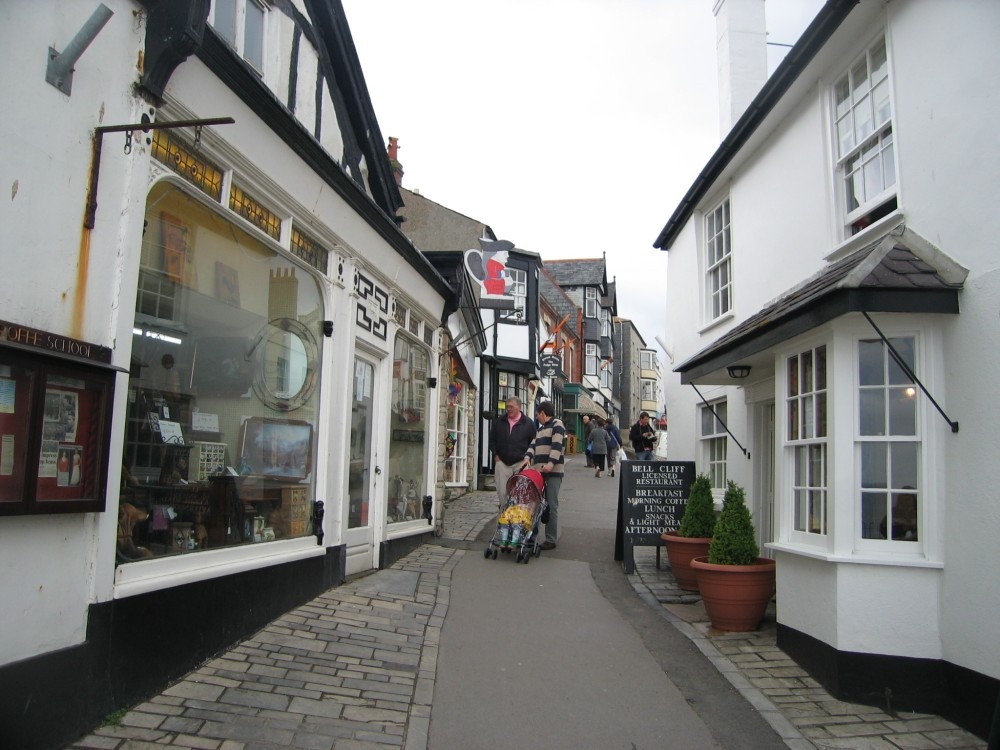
column 644, row 456
column 552, row 485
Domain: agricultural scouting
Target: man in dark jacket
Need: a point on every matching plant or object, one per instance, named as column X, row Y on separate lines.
column 643, row 437
column 510, row 436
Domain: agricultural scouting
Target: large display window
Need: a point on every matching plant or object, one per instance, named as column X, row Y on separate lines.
column 222, row 400
column 409, row 425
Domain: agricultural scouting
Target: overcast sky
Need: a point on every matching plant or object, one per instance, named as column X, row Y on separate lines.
column 571, row 127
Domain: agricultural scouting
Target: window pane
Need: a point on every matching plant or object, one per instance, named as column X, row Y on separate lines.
column 880, row 66
column 793, row 420
column 816, row 519
column 905, row 348
column 820, row 368
column 888, row 162
column 859, row 79
column 880, row 101
column 903, row 411
column 817, row 466
column 904, row 517
column 842, row 97
column 793, row 376
column 863, row 121
column 408, row 430
column 808, row 428
column 801, row 466
column 873, row 177
column 253, row 38
column 820, row 415
column 225, row 20
column 873, row 505
column 870, row 361
column 874, row 470
column 872, row 412
column 800, row 510
column 904, row 464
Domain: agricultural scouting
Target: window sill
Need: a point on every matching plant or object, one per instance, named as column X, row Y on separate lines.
column 729, row 316
column 408, row 528
column 457, row 485
column 878, row 229
column 155, row 574
column 862, row 558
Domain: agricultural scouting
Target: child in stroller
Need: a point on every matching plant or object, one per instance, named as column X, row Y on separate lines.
column 517, row 526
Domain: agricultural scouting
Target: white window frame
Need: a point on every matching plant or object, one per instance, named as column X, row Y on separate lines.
column 807, row 441
column 647, row 360
column 589, row 302
column 240, row 22
column 867, row 538
column 457, row 464
column 590, row 363
column 606, row 330
column 648, row 389
column 519, row 291
column 718, row 261
column 864, row 143
column 714, row 443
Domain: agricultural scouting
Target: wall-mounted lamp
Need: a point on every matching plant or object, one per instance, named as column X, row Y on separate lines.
column 432, row 382
column 738, row 372
column 328, row 328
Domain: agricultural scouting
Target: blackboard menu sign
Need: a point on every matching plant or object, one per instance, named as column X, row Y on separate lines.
column 651, row 500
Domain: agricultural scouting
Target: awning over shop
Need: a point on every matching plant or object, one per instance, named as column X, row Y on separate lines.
column 887, row 276
column 586, row 405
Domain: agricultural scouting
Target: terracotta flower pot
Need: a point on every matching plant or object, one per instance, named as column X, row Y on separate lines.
column 735, row 596
column 680, row 551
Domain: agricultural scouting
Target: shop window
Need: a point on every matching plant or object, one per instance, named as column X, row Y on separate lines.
column 408, row 430
column 54, row 430
column 222, row 399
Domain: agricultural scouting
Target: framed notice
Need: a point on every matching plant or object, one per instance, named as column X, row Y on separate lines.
column 651, row 500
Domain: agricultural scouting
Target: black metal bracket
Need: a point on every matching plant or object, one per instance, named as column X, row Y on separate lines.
column 317, row 519
column 429, row 509
column 145, row 126
column 745, row 451
column 909, row 373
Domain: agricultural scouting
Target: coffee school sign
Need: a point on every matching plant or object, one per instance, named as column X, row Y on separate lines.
column 651, row 500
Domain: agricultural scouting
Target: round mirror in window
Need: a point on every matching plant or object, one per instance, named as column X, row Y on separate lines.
column 287, row 360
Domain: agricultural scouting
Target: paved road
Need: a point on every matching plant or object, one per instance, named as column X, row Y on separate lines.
column 564, row 652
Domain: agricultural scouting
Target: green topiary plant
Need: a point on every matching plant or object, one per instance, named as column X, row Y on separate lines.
column 733, row 542
column 698, row 520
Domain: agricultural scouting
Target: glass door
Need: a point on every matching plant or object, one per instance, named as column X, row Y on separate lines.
column 362, row 472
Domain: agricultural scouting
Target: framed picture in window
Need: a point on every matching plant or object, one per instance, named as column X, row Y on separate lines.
column 173, row 234
column 227, row 284
column 278, row 448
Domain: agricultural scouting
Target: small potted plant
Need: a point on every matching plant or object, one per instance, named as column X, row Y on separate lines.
column 694, row 534
column 736, row 584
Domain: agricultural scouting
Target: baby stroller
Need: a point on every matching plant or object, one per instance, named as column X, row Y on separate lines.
column 517, row 527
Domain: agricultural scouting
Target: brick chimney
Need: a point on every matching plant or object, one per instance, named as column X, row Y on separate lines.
column 397, row 168
column 741, row 54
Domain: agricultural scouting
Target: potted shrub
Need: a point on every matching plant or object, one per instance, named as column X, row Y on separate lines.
column 735, row 582
column 694, row 534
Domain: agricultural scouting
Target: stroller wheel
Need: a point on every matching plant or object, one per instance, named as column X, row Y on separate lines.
column 486, row 553
column 494, row 554
column 527, row 556
column 519, row 555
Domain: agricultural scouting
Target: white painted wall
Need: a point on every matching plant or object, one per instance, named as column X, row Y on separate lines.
column 60, row 278
column 784, row 226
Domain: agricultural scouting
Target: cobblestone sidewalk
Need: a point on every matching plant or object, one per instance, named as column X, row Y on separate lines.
column 796, row 706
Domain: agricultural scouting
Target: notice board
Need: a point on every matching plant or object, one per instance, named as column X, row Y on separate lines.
column 651, row 500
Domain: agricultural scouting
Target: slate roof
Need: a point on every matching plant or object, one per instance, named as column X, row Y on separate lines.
column 885, row 276
column 579, row 272
column 553, row 294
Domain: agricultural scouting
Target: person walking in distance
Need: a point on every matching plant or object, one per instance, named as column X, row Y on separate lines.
column 546, row 455
column 510, row 435
column 614, row 443
column 643, row 438
column 599, row 444
column 588, row 426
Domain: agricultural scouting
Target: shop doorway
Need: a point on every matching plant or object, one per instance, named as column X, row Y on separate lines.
column 361, row 515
